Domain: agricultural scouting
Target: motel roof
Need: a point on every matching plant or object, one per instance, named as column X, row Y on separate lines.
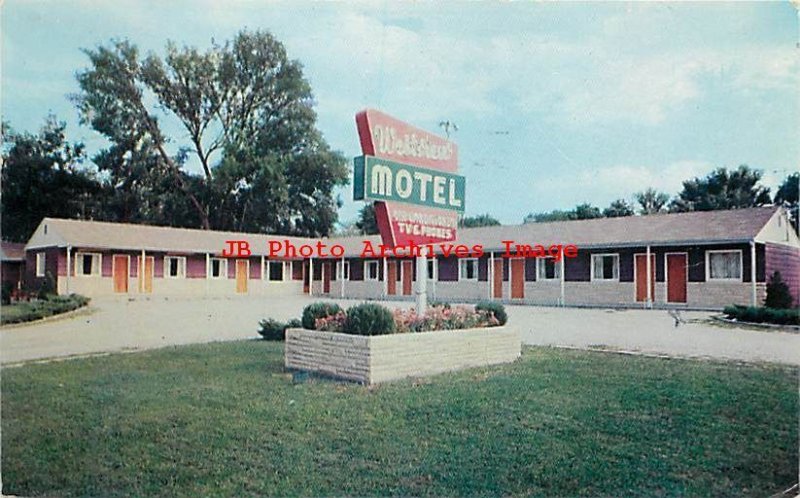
column 12, row 251
column 693, row 228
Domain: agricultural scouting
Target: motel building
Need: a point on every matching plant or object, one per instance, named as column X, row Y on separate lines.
column 698, row 260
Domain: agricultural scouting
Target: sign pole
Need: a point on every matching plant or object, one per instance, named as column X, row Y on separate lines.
column 422, row 284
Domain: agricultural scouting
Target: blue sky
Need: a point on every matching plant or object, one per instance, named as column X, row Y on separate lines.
column 556, row 103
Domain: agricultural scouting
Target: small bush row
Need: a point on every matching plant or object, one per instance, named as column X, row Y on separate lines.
column 374, row 319
column 49, row 306
column 755, row 314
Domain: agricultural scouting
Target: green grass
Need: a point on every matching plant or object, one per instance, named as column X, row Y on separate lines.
column 223, row 419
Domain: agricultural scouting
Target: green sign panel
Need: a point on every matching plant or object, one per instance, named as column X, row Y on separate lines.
column 378, row 179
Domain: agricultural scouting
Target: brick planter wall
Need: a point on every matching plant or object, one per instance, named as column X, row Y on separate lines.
column 374, row 359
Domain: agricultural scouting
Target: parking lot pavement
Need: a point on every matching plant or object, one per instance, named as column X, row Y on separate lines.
column 652, row 331
column 136, row 324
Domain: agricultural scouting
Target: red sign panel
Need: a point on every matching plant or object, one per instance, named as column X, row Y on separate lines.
column 401, row 224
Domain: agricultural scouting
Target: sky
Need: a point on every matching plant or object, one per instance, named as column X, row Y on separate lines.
column 556, row 103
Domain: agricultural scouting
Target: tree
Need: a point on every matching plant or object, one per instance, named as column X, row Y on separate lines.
column 555, row 215
column 586, row 211
column 778, row 294
column 583, row 211
column 247, row 114
column 787, row 196
column 42, row 175
column 482, row 220
column 367, row 224
column 651, row 201
column 618, row 208
column 722, row 189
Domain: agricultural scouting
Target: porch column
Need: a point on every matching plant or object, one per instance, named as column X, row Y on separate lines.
column 69, row 267
column 311, row 276
column 385, row 277
column 649, row 301
column 490, row 275
column 142, row 265
column 208, row 270
column 563, row 286
column 754, row 294
column 341, row 277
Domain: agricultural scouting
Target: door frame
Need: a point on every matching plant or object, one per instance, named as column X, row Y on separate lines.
column 410, row 273
column 392, row 270
column 246, row 275
column 143, row 273
column 653, row 283
column 666, row 276
column 114, row 272
column 326, row 277
column 497, row 278
column 511, row 277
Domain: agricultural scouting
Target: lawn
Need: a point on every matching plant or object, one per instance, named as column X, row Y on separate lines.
column 224, row 419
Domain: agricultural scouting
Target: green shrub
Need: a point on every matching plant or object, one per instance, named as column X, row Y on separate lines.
column 754, row 314
column 778, row 294
column 48, row 287
column 53, row 305
column 439, row 304
column 8, row 288
column 318, row 310
column 496, row 309
column 294, row 323
column 369, row 319
column 272, row 330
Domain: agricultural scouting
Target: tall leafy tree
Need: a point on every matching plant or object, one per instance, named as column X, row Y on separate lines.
column 482, row 220
column 787, row 195
column 366, row 223
column 722, row 189
column 583, row 211
column 43, row 175
column 586, row 211
column 618, row 208
column 246, row 112
column 651, row 201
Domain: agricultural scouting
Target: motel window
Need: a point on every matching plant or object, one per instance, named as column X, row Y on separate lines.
column 219, row 268
column 468, row 269
column 175, row 267
column 547, row 269
column 40, row 262
column 432, row 269
column 605, row 267
column 275, row 271
column 724, row 265
column 87, row 264
column 343, row 269
column 372, row 270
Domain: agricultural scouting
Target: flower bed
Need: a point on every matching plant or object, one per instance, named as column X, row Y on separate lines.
column 370, row 344
column 381, row 358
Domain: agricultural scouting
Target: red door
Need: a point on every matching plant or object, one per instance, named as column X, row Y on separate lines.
column 676, row 278
column 641, row 277
column 120, row 270
column 391, row 277
column 498, row 279
column 326, row 277
column 517, row 278
column 408, row 273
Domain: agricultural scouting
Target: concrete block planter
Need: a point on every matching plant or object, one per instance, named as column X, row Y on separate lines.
column 375, row 359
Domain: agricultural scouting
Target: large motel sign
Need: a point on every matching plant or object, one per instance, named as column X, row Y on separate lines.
column 411, row 175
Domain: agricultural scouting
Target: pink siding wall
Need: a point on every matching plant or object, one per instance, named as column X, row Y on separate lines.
column 255, row 268
column 158, row 266
column 196, row 266
column 787, row 261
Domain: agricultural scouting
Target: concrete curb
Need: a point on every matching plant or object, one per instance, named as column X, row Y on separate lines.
column 782, row 328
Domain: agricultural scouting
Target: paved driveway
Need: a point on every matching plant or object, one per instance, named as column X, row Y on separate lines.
column 134, row 324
